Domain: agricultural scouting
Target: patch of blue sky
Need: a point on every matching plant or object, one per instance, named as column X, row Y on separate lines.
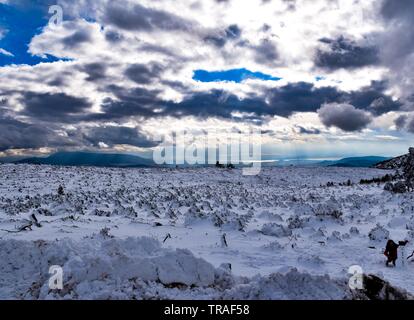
column 20, row 24
column 232, row 75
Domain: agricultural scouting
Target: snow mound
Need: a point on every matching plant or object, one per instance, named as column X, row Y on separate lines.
column 291, row 286
column 379, row 233
column 92, row 264
column 276, row 230
column 270, row 216
column 312, row 261
column 398, row 222
column 139, row 268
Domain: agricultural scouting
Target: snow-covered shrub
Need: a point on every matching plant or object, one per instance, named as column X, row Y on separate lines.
column 273, row 246
column 379, row 233
column 276, row 230
column 44, row 212
column 389, row 186
column 125, row 212
column 335, row 236
column 319, row 234
column 354, row 231
column 102, row 213
column 104, row 233
column 296, row 222
column 398, row 187
column 329, row 209
column 410, row 225
column 61, row 191
column 223, row 277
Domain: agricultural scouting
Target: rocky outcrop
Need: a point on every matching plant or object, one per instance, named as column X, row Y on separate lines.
column 393, row 164
column 376, row 288
column 404, row 165
column 399, row 187
column 408, row 170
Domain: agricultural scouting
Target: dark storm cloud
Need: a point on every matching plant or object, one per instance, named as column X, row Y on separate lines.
column 135, row 102
column 142, row 74
column 144, row 103
column 410, row 125
column 61, row 79
column 395, row 9
column 141, row 18
column 399, row 16
column 113, row 36
column 215, row 103
column 346, row 54
column 77, row 38
column 405, row 122
column 401, row 122
column 15, row 134
column 57, row 82
column 53, row 106
column 176, row 85
column 300, row 97
column 266, row 53
column 305, row 97
column 216, row 40
column 96, row 71
column 220, row 39
column 158, row 49
column 282, row 101
column 344, row 116
column 291, row 4
column 397, row 42
column 303, row 130
column 374, row 99
column 114, row 135
column 233, row 32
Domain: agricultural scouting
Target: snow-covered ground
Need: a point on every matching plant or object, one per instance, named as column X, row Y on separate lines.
column 162, row 233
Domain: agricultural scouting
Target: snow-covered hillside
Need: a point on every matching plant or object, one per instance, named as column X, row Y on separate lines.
column 197, row 233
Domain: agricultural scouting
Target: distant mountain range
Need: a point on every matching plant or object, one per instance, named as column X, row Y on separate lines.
column 125, row 160
column 354, row 162
column 90, row 159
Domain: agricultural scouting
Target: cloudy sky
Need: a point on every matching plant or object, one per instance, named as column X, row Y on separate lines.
column 320, row 78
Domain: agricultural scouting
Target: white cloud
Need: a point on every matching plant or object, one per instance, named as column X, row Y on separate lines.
column 6, row 53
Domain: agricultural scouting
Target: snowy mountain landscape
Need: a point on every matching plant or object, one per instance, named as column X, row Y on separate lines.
column 288, row 233
column 205, row 151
